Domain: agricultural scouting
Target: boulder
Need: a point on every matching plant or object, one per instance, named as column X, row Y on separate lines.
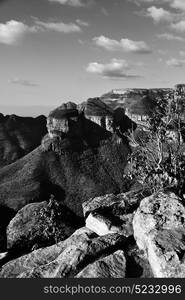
column 103, row 225
column 111, row 213
column 28, row 228
column 111, row 266
column 65, row 259
column 159, row 230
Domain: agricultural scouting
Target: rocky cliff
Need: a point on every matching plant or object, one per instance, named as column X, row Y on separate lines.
column 135, row 101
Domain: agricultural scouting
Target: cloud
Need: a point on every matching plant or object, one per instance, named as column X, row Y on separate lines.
column 182, row 53
column 124, row 44
column 159, row 14
column 177, row 4
column 13, row 31
column 170, row 37
column 58, row 26
column 179, row 26
column 73, row 3
column 23, row 82
column 174, row 62
column 116, row 69
column 82, row 23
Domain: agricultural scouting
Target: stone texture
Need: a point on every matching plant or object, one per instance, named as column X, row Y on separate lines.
column 27, row 228
column 111, row 266
column 58, row 119
column 111, row 213
column 159, row 229
column 65, row 259
column 98, row 112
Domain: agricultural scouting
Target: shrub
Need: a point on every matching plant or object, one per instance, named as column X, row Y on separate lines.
column 159, row 162
column 51, row 217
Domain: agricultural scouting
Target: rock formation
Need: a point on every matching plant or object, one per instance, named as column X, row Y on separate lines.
column 159, row 229
column 29, row 227
column 97, row 111
column 65, row 259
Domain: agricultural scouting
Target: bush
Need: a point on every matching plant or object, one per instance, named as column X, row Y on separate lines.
column 51, row 216
column 159, row 162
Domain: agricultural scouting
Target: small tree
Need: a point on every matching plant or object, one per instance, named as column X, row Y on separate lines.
column 159, row 162
column 51, row 216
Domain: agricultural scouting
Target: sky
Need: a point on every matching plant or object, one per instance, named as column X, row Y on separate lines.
column 54, row 51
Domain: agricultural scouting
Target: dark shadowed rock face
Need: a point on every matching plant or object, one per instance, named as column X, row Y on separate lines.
column 30, row 228
column 159, row 229
column 6, row 215
column 73, row 175
column 19, row 136
column 60, row 120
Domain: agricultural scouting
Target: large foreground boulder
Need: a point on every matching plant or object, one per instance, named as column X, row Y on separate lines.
column 111, row 266
column 65, row 259
column 40, row 224
column 159, row 229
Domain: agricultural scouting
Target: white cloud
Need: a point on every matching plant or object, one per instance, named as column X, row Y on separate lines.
column 82, row 23
column 177, row 4
column 12, row 31
column 58, row 26
column 116, row 69
column 122, row 45
column 170, row 37
column 174, row 62
column 23, row 82
column 182, row 53
column 159, row 14
column 179, row 26
column 74, row 3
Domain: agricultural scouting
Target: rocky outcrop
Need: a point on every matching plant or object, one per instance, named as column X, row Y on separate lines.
column 97, row 111
column 111, row 266
column 19, row 136
column 137, row 102
column 32, row 228
column 112, row 213
column 59, row 119
column 65, row 259
column 159, row 230
column 109, row 214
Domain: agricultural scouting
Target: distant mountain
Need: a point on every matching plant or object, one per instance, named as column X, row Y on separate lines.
column 19, row 136
column 135, row 101
column 25, row 110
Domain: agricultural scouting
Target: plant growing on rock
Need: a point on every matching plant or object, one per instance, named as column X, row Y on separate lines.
column 51, row 216
column 159, row 161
